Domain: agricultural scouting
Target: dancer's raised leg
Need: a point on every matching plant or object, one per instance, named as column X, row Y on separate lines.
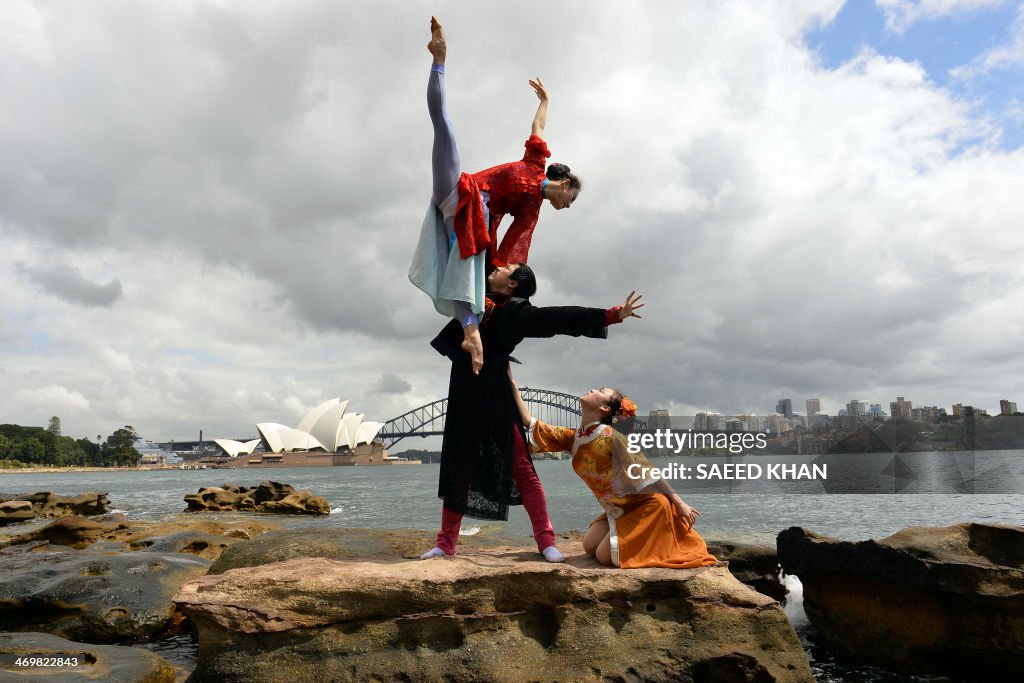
column 446, row 168
column 445, row 161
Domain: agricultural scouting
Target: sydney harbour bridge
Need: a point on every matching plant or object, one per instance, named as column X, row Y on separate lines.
column 428, row 420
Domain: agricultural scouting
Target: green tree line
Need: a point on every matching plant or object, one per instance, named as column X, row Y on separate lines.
column 38, row 446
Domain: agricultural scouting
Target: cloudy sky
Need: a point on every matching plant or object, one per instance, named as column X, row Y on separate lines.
column 207, row 209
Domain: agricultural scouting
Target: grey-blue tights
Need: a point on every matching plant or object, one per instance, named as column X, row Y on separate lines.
column 445, row 165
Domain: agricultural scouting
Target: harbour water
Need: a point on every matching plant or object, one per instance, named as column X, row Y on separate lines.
column 405, row 497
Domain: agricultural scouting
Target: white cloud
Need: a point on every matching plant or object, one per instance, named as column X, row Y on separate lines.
column 900, row 14
column 50, row 400
column 1007, row 56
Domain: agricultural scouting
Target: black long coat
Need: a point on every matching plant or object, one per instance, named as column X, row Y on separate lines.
column 476, row 454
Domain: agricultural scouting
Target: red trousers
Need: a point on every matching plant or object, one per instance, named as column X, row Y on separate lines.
column 529, row 486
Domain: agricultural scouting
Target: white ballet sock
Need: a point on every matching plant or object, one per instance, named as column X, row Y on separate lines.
column 551, row 554
column 433, row 552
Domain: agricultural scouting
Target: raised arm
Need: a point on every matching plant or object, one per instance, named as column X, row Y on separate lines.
column 577, row 321
column 524, row 411
column 541, row 117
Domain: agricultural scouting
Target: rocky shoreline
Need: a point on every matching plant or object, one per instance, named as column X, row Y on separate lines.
column 492, row 614
column 45, row 504
column 355, row 604
column 937, row 600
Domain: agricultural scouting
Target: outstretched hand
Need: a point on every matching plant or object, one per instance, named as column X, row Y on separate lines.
column 629, row 308
column 538, row 87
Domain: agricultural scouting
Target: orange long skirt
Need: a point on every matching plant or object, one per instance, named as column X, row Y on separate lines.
column 650, row 533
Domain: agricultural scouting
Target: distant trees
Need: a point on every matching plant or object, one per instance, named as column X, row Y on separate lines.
column 38, row 446
column 119, row 448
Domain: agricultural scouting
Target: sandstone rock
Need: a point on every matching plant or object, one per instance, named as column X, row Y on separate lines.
column 14, row 511
column 48, row 504
column 337, row 544
column 499, row 614
column 300, row 502
column 270, row 496
column 755, row 565
column 946, row 600
column 215, row 499
column 107, row 663
column 115, row 531
column 75, row 531
column 95, row 662
column 137, row 532
column 91, row 595
column 194, row 543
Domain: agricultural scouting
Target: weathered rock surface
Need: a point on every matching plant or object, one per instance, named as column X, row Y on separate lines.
column 337, row 544
column 947, row 600
column 90, row 595
column 14, row 511
column 500, row 614
column 755, row 565
column 48, row 504
column 115, row 531
column 270, row 496
column 75, row 531
column 106, row 663
column 191, row 542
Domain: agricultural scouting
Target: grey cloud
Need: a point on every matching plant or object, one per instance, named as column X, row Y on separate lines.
column 68, row 284
column 390, row 383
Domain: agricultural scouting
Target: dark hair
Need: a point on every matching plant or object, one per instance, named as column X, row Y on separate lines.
column 526, row 281
column 614, row 405
column 561, row 172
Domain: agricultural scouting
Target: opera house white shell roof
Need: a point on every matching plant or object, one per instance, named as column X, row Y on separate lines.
column 236, row 448
column 326, row 427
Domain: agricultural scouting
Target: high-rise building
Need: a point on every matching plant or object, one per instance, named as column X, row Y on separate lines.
column 900, row 409
column 857, row 408
column 757, row 423
column 784, row 407
column 958, row 409
column 778, row 424
column 926, row 413
column 708, row 420
column 1007, row 407
column 813, row 407
column 735, row 425
column 659, row 419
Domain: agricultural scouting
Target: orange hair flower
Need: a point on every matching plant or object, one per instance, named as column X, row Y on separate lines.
column 628, row 408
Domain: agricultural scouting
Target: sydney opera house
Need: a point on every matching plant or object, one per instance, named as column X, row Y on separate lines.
column 325, row 437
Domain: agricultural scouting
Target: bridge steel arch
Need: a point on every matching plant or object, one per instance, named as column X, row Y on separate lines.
column 552, row 407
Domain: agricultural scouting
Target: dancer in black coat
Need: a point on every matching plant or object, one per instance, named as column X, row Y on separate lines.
column 485, row 465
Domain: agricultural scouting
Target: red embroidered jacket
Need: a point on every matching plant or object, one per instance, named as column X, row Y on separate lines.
column 515, row 189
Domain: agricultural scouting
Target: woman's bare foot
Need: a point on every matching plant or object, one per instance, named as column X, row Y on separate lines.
column 437, row 45
column 474, row 346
